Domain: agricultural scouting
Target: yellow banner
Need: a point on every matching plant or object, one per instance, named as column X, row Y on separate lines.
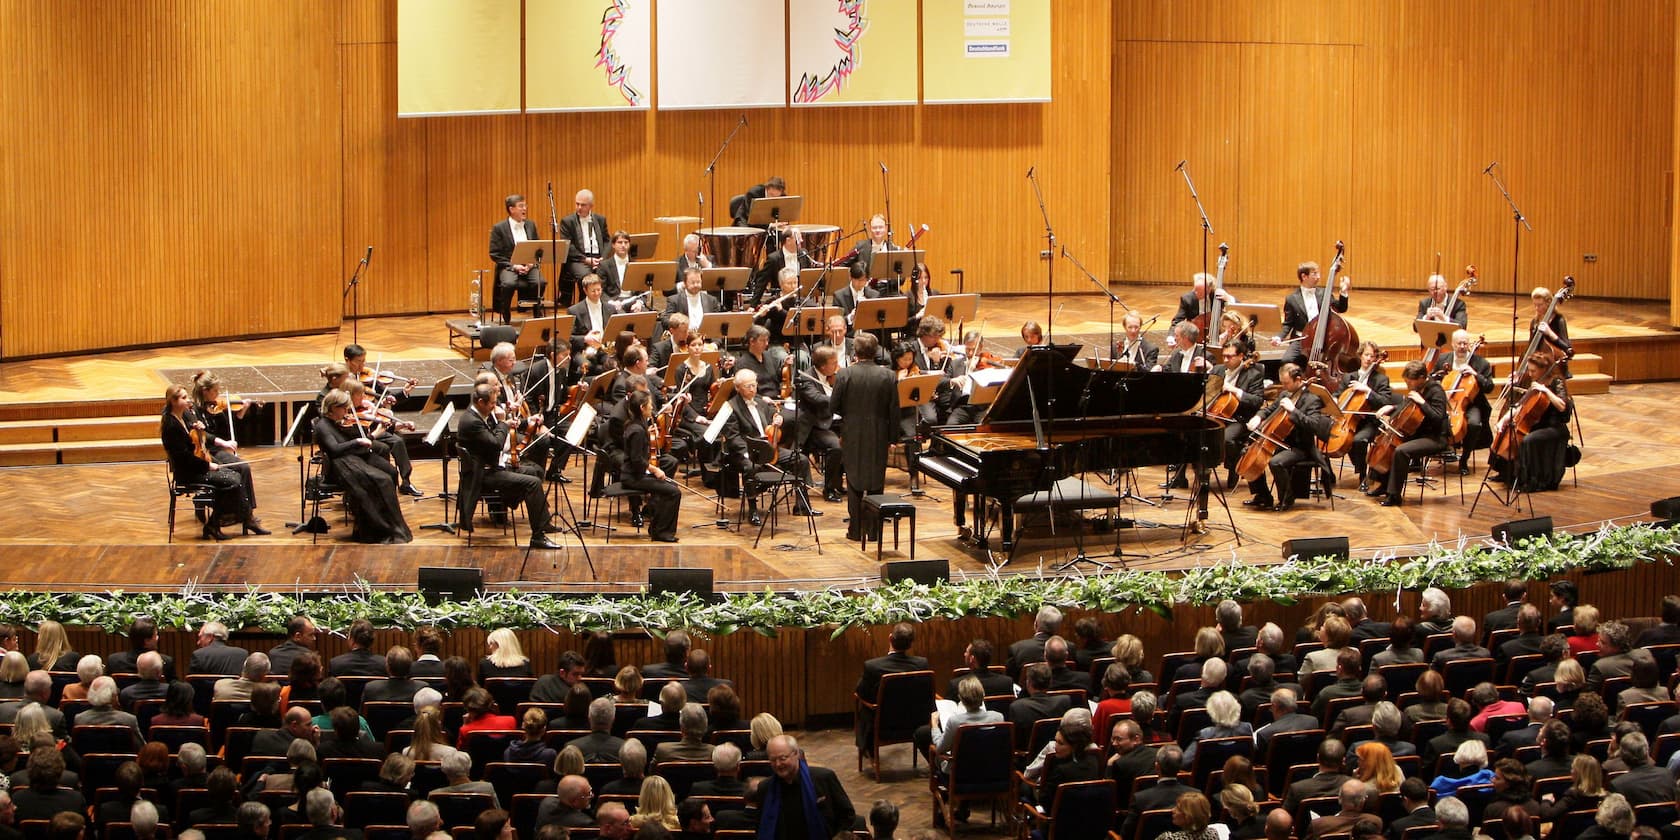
column 985, row 51
column 852, row 52
column 457, row 57
column 588, row 55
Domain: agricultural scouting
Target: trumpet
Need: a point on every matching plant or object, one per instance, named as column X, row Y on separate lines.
column 475, row 300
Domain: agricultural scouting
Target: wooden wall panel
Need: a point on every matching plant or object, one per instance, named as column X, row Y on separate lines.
column 1424, row 95
column 384, row 184
column 167, row 175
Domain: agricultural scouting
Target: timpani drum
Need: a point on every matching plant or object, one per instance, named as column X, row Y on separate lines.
column 821, row 241
column 732, row 247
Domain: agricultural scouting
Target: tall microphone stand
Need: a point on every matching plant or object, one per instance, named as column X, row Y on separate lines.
column 554, row 248
column 1112, row 298
column 711, row 168
column 1520, row 221
column 1205, row 303
column 1050, row 320
column 352, row 290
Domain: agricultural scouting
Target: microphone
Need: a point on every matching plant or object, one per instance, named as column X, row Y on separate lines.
column 550, row 189
column 1490, row 167
column 1064, row 252
column 1030, row 170
column 368, row 255
column 1179, row 167
column 743, row 118
column 1152, row 319
column 702, row 197
column 883, row 167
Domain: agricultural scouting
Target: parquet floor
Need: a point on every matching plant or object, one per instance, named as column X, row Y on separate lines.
column 103, row 526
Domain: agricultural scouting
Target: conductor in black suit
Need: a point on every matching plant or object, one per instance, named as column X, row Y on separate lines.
column 482, row 436
column 866, row 398
column 898, row 661
column 1300, row 308
column 525, row 279
column 1433, row 306
column 586, row 230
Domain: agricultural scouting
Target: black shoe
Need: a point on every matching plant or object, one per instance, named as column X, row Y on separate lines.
column 255, row 529
column 664, row 538
column 554, row 526
column 1259, row 502
column 1364, row 486
column 212, row 531
column 1180, row 483
column 1464, row 468
column 557, row 477
column 636, row 521
column 544, row 542
column 409, row 489
column 1391, row 501
column 852, row 537
column 754, row 519
column 806, row 510
column 1377, row 490
column 1284, row 505
column 834, row 496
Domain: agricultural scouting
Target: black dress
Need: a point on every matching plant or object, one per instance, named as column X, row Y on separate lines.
column 369, row 481
column 227, row 484
column 1543, row 456
column 663, row 497
column 220, row 427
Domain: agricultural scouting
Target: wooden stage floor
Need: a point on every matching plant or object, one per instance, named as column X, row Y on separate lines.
column 102, row 526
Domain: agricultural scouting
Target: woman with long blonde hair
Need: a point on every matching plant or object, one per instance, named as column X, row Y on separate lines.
column 657, row 803
column 52, row 648
column 430, row 743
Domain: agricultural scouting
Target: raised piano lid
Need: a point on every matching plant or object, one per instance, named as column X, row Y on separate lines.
column 1086, row 394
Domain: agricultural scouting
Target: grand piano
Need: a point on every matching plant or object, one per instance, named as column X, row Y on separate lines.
column 1053, row 419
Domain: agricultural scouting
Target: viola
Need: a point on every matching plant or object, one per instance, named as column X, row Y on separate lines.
column 1462, row 390
column 1333, row 340
column 1354, row 403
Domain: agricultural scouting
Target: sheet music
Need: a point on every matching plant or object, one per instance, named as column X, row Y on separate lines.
column 716, row 426
column 296, row 423
column 582, row 422
column 442, row 424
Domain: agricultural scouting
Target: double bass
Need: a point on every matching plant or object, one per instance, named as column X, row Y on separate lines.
column 1354, row 404
column 1515, row 384
column 1462, row 390
column 1463, row 288
column 1209, row 317
column 1333, row 341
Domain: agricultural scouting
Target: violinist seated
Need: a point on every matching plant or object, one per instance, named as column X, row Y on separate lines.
column 772, row 314
column 614, row 271
column 1464, row 357
column 1555, row 331
column 974, row 358
column 856, row 290
column 217, row 413
column 1190, row 303
column 763, row 359
column 1311, row 425
column 693, row 390
column 1245, row 380
column 674, row 341
column 183, row 432
column 648, row 472
column 383, row 428
column 910, row 418
column 1379, row 395
column 933, row 355
column 1543, row 453
column 1135, row 349
column 337, row 375
column 614, row 414
column 1188, row 355
column 1032, row 335
column 791, row 255
column 487, row 464
column 1300, row 308
column 1432, row 435
column 363, row 469
column 814, row 423
column 385, row 382
column 590, row 315
column 1433, row 306
column 747, row 443
column 520, row 391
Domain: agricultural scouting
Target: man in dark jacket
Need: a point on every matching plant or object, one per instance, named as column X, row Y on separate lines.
column 214, row 655
column 866, row 399
column 898, row 660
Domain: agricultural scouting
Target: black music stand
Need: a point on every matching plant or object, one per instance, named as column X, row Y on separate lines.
column 882, row 314
column 725, row 283
column 439, row 430
column 771, row 213
column 915, row 392
column 530, row 252
column 892, row 264
column 643, row 245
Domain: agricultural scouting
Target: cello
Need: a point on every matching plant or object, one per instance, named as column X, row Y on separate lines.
column 1395, row 431
column 1334, row 341
column 1462, row 389
column 1272, row 436
column 1354, row 404
column 1525, row 414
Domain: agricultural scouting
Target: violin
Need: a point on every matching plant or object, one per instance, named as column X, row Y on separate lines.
column 1462, row 389
column 1354, row 403
column 231, row 402
column 1333, row 340
column 986, row 359
column 200, row 450
column 385, row 379
column 379, row 414
column 787, row 377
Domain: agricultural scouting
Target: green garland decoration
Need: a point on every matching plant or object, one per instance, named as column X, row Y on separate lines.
column 1448, row 566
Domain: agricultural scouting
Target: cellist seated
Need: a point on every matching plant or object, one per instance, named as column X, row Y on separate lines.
column 1295, row 423
column 1397, row 448
column 1539, row 426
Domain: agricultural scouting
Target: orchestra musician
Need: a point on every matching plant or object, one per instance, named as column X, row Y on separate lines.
column 692, row 301
column 1476, row 435
column 762, row 358
column 674, row 341
column 814, row 427
column 524, row 279
column 615, row 414
column 1433, row 305
column 972, row 357
column 1300, row 308
column 694, row 379
column 773, row 313
column 218, row 418
column 1134, row 348
column 1190, row 303
column 1543, row 455
column 586, row 231
column 740, row 207
column 933, row 355
column 1188, row 355
column 1032, row 335
column 691, row 256
column 1556, row 330
column 857, row 289
column 1233, row 326
column 878, row 241
column 519, row 386
column 355, row 358
column 362, row 467
column 180, row 419
column 614, row 272
column 386, row 434
column 1372, row 379
column 910, row 418
column 483, row 435
column 590, row 315
column 1311, row 426
column 1432, row 436
column 546, row 395
column 335, row 374
column 746, row 443
column 864, row 397
column 1245, row 379
column 647, row 472
column 790, row 254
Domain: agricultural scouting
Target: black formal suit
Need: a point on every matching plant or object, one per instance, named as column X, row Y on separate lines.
column 1023, row 653
column 847, row 299
column 391, row 690
column 994, row 683
column 1176, row 362
column 1311, row 426
column 529, row 285
column 664, row 497
column 1032, row 708
column 1661, row 634
column 1504, row 618
column 1459, row 315
column 866, row 397
column 731, row 786
column 1189, row 306
column 1369, row 629
column 833, row 804
column 866, row 251
column 1162, row 795
column 1143, row 353
column 1292, row 722
column 1424, row 815
column 1516, row 739
column 814, row 429
column 583, row 323
column 1432, row 436
column 1447, row 743
column 1476, row 429
column 1250, row 381
column 598, row 747
column 358, row 662
column 1367, row 428
column 1645, row 784
column 481, row 441
column 1125, row 770
column 742, row 438
column 32, row 804
column 124, row 662
column 1520, row 646
column 218, row 657
column 679, row 302
column 1295, row 320
column 765, row 282
column 869, row 684
column 615, row 281
column 572, row 229
column 1312, row 787
column 1065, row 678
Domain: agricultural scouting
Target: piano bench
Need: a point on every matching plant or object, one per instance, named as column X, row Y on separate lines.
column 876, row 511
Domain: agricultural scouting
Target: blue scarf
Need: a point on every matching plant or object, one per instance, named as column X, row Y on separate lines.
column 814, row 826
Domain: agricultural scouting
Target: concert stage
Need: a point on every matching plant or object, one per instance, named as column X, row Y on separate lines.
column 103, row 525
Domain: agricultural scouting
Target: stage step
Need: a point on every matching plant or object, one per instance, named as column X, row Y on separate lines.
column 128, row 427
column 96, row 451
column 1583, row 363
column 1581, row 385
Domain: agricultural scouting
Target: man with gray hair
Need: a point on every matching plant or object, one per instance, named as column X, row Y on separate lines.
column 1464, row 644
column 214, row 655
column 1528, row 735
column 691, row 722
column 37, row 688
column 150, row 686
column 1454, row 817
column 1351, row 798
column 1236, row 635
column 423, row 819
column 1386, row 720
column 1644, row 782
column 1025, row 652
column 569, row 807
column 726, row 761
column 792, row 785
column 325, row 818
column 1213, row 679
column 613, row 820
column 1286, row 717
column 600, row 746
column 101, row 696
column 1270, row 641
column 143, row 820
column 253, row 819
column 457, row 770
column 1363, row 627
column 252, row 672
